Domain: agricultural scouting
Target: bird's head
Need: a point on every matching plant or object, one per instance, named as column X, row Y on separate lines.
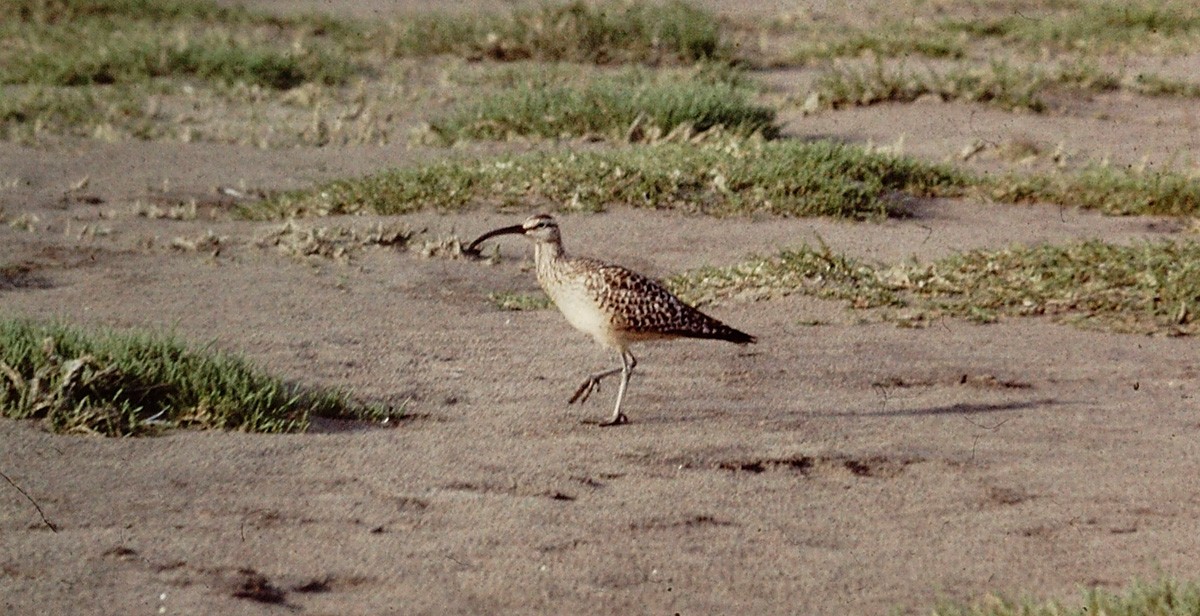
column 539, row 228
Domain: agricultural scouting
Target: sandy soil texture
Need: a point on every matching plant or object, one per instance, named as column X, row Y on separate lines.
column 846, row 467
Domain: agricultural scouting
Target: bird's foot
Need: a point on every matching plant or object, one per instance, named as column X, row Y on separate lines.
column 581, row 395
column 617, row 420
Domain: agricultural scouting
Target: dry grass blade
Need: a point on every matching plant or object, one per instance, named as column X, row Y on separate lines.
column 336, row 243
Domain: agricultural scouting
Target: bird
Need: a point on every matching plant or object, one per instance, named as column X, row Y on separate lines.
column 616, row 306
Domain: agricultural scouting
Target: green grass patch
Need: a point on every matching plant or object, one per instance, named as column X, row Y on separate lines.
column 1160, row 598
column 602, row 33
column 195, row 70
column 808, row 270
column 27, row 113
column 1086, row 26
column 506, row 300
column 130, row 383
column 138, row 40
column 1112, row 190
column 1088, row 76
column 140, row 52
column 786, row 178
column 1093, row 26
column 724, row 178
column 1156, row 85
column 1145, row 287
column 629, row 105
column 1150, row 287
column 999, row 84
column 891, row 40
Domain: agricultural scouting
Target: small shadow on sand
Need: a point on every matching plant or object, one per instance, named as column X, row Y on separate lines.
column 22, row 276
column 961, row 408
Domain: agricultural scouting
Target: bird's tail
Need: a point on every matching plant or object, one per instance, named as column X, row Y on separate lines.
column 716, row 330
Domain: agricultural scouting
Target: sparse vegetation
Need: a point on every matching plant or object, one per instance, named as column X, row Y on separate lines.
column 1085, row 26
column 1145, row 287
column 1113, row 190
column 602, row 33
column 336, row 243
column 176, row 39
column 131, row 383
column 506, row 300
column 28, row 112
column 728, row 177
column 1093, row 26
column 999, row 84
column 628, row 106
column 719, row 177
column 160, row 62
column 892, row 40
column 148, row 52
column 207, row 241
column 194, row 70
column 809, row 270
column 1164, row 597
column 1150, row 84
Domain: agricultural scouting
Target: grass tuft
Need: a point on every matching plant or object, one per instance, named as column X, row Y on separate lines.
column 1150, row 84
column 738, row 177
column 506, row 300
column 616, row 107
column 1112, row 190
column 998, row 84
column 602, row 33
column 1074, row 26
column 26, row 113
column 815, row 271
column 137, row 40
column 121, row 384
column 892, row 40
column 1094, row 26
column 1145, row 287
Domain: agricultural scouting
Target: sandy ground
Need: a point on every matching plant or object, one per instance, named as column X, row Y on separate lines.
column 847, row 467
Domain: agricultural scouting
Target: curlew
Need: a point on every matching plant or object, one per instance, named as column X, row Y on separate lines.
column 614, row 305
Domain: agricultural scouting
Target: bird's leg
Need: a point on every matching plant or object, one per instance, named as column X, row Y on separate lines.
column 628, row 363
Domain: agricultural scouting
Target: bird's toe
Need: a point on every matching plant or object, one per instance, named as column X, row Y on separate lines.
column 585, row 390
column 618, row 420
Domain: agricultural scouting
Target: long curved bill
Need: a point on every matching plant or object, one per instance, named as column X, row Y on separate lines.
column 473, row 248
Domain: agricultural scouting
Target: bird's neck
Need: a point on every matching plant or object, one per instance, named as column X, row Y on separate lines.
column 548, row 252
column 548, row 256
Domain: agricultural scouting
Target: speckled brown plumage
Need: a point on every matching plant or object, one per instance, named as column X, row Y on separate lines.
column 614, row 305
column 640, row 305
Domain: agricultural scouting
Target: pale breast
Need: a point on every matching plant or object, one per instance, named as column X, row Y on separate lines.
column 582, row 311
